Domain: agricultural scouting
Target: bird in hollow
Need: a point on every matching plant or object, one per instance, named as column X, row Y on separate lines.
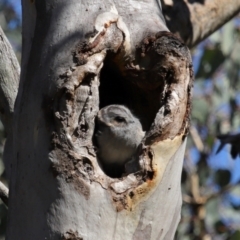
column 118, row 136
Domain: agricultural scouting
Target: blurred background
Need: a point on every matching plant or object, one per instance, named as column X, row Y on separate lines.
column 211, row 173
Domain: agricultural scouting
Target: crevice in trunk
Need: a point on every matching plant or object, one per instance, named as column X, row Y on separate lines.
column 154, row 82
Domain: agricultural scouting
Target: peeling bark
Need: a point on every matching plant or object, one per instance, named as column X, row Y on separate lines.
column 195, row 20
column 78, row 63
column 9, row 83
column 9, row 80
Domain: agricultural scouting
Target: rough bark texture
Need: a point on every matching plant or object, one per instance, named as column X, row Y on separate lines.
column 58, row 190
column 195, row 20
column 9, row 81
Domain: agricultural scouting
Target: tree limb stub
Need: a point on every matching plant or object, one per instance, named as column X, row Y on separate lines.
column 195, row 20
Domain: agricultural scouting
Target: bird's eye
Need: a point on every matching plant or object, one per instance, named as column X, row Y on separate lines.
column 119, row 119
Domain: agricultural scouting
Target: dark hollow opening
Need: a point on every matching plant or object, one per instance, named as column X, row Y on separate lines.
column 118, row 89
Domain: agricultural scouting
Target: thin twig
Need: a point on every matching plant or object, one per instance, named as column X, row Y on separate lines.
column 196, row 139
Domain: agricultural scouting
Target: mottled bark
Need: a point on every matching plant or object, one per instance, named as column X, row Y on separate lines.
column 195, row 20
column 58, row 189
column 9, row 81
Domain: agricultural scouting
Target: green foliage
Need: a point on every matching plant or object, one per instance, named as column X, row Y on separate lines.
column 10, row 22
column 222, row 177
column 235, row 236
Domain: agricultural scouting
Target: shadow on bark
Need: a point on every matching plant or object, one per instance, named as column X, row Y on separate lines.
column 178, row 9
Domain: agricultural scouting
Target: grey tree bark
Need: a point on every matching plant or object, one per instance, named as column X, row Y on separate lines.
column 195, row 20
column 9, row 81
column 57, row 189
column 79, row 56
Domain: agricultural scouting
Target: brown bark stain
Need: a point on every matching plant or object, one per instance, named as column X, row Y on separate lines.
column 73, row 170
column 162, row 73
column 103, row 40
column 138, row 190
column 162, row 67
column 71, row 235
column 75, row 107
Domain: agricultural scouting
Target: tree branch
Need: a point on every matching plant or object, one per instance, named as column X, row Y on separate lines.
column 195, row 20
column 197, row 139
column 204, row 199
column 9, row 80
column 4, row 193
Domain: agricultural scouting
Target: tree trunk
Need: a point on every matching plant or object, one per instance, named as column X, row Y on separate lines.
column 57, row 189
